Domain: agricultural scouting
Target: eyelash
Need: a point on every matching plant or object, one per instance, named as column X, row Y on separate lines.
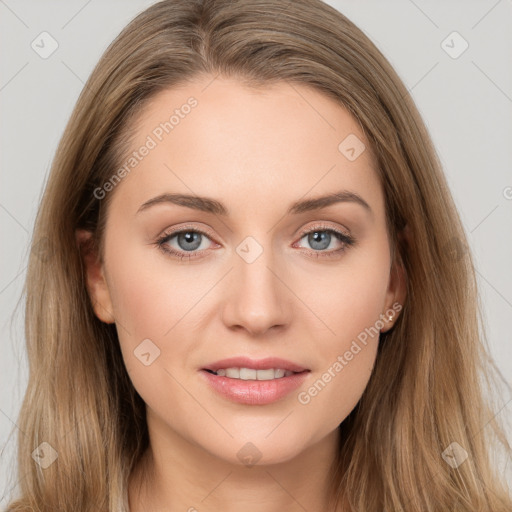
column 347, row 241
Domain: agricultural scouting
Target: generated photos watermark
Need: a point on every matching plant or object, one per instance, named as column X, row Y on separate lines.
column 305, row 397
column 152, row 140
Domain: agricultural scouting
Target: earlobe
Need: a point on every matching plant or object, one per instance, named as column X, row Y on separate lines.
column 94, row 276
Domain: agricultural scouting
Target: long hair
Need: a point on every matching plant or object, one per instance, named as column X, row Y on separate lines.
column 428, row 401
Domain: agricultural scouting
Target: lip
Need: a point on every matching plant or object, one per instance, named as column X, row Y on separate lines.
column 254, row 392
column 256, row 364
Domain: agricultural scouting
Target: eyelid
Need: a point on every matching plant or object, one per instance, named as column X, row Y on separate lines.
column 323, row 225
column 188, row 227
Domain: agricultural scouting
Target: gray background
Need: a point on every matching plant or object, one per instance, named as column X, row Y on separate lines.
column 465, row 101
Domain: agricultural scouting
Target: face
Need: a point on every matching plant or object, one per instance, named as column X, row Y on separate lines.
column 247, row 273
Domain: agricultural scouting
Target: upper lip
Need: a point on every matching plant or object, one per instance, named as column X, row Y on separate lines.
column 256, row 364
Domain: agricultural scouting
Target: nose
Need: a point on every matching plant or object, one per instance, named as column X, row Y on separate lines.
column 258, row 298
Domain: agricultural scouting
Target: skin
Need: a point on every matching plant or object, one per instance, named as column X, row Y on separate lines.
column 256, row 151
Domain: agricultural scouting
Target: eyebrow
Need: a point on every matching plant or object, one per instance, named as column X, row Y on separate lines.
column 209, row 205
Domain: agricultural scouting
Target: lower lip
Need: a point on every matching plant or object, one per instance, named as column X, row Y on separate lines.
column 255, row 392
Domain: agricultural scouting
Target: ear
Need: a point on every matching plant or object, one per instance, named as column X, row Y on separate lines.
column 397, row 287
column 95, row 277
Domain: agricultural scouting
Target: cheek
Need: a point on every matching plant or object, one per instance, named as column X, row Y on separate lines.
column 153, row 299
column 347, row 298
column 346, row 354
column 154, row 303
column 150, row 293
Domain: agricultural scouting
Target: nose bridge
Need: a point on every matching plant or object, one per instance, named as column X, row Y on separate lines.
column 257, row 299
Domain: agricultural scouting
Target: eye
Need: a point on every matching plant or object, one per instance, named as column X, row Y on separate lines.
column 321, row 237
column 189, row 243
column 186, row 243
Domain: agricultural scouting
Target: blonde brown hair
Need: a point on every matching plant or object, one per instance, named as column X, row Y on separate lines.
column 431, row 385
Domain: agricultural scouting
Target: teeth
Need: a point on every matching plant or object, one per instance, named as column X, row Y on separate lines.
column 251, row 374
column 233, row 373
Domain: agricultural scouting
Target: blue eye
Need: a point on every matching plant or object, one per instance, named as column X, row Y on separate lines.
column 320, row 237
column 189, row 242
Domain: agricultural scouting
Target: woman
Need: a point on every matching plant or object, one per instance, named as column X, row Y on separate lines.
column 317, row 345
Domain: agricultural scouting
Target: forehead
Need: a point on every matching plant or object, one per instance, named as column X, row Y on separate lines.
column 219, row 137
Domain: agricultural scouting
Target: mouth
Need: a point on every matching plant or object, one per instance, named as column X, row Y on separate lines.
column 251, row 382
column 252, row 373
column 245, row 368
